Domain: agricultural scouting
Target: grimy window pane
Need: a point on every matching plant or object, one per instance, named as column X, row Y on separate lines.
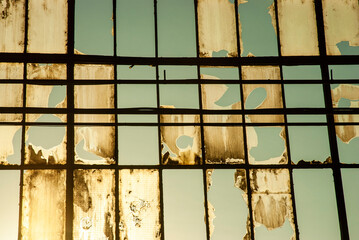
column 43, row 204
column 135, row 32
column 47, row 32
column 93, row 27
column 12, row 25
column 341, row 22
column 94, row 204
column 183, row 204
column 316, row 206
column 217, row 28
column 297, row 27
column 176, row 28
column 139, row 197
column 227, row 204
column 9, row 202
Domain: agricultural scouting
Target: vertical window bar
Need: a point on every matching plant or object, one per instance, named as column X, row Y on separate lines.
column 289, row 163
column 330, row 120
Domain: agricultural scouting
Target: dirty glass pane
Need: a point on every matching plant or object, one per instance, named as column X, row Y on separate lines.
column 138, row 145
column 53, row 96
column 46, row 71
column 93, row 72
column 179, row 96
column 227, row 73
column 223, row 144
column 258, row 15
column 135, row 32
column 179, row 118
column 136, row 95
column 341, row 23
column 221, row 96
column 94, row 204
column 272, row 204
column 176, row 28
column 177, row 72
column 47, row 32
column 85, row 96
column 44, row 204
column 316, row 206
column 11, row 70
column 10, row 144
column 45, row 145
column 9, row 202
column 136, row 72
column 348, row 142
column 259, row 96
column 93, row 27
column 94, row 145
column 217, row 28
column 345, row 95
column 183, row 204
column 227, row 203
column 309, row 144
column 12, row 25
column 44, row 118
column 266, row 145
column 10, row 117
column 11, row 95
column 297, row 27
column 350, row 178
column 94, row 118
column 181, row 145
column 139, row 204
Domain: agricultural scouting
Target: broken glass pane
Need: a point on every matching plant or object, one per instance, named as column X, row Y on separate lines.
column 138, row 145
column 302, row 72
column 293, row 118
column 217, row 28
column 309, row 144
column 94, row 145
column 341, row 23
column 47, row 32
column 45, row 145
column 46, row 71
column 266, row 145
column 136, row 72
column 183, row 204
column 272, row 204
column 304, row 96
column 135, row 32
column 180, row 144
column 317, row 213
column 176, row 28
column 94, row 27
column 136, row 95
column 172, row 96
column 227, row 203
column 341, row 72
column 94, row 204
column 345, row 95
column 139, row 204
column 348, row 142
column 10, row 144
column 12, row 25
column 46, row 96
column 297, row 27
column 44, row 204
column 350, row 178
column 223, row 144
column 258, row 15
column 259, row 96
column 9, row 202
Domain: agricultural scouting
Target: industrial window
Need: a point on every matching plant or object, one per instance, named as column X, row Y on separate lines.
column 168, row 119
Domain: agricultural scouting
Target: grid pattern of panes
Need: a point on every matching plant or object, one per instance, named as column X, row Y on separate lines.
column 167, row 119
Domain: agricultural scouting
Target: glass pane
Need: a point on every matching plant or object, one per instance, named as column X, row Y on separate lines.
column 348, row 142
